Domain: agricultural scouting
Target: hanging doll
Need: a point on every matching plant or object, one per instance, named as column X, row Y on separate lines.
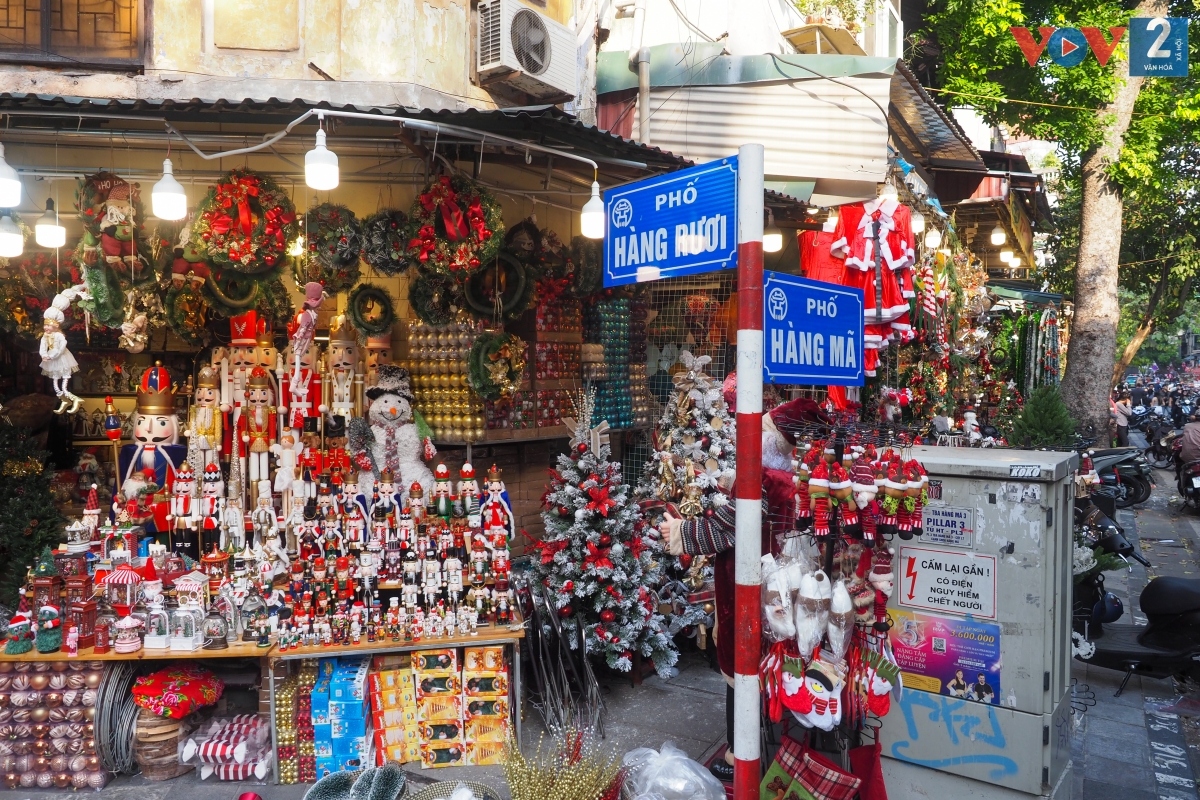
column 58, row 363
column 883, row 583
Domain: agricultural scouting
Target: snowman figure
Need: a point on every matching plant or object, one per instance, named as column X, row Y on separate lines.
column 388, row 438
column 813, row 695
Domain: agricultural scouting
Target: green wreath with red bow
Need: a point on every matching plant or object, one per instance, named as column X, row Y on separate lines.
column 455, row 227
column 335, row 242
column 246, row 222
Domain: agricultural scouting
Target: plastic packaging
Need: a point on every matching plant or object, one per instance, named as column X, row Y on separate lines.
column 841, row 620
column 812, row 611
column 778, row 622
column 669, row 775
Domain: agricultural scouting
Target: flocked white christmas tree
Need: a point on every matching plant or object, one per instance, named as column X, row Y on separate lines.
column 596, row 557
column 694, row 453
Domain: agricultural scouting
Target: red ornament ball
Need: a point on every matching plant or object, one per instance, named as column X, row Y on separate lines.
column 563, row 511
column 626, row 654
column 685, row 561
column 581, row 448
column 566, row 611
column 601, row 633
column 568, row 586
column 605, row 540
column 594, row 478
column 607, row 615
column 708, row 512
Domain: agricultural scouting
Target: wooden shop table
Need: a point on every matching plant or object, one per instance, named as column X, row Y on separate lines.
column 504, row 635
column 235, row 650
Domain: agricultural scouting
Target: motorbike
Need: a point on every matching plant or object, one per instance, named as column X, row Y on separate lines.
column 1126, row 470
column 1160, row 452
column 1187, row 482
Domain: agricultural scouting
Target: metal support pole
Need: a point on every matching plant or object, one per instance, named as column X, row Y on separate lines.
column 747, row 490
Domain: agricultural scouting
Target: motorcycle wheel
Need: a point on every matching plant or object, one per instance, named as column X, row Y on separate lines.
column 1124, row 493
column 1138, row 489
column 1159, row 459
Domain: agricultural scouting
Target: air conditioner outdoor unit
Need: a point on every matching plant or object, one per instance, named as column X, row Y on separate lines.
column 525, row 49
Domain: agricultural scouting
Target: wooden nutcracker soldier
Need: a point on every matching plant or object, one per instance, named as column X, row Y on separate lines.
column 267, row 356
column 210, row 509
column 155, row 445
column 235, row 372
column 379, row 352
column 343, row 382
column 204, row 419
column 184, row 509
column 256, row 428
column 309, row 461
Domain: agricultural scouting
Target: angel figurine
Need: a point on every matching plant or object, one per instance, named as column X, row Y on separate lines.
column 58, row 363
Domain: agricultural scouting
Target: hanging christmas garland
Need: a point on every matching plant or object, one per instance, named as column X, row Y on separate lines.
column 385, row 241
column 335, row 242
column 501, row 290
column 455, row 226
column 431, row 297
column 187, row 314
column 246, row 222
column 370, row 310
column 496, row 365
column 107, row 303
column 587, row 257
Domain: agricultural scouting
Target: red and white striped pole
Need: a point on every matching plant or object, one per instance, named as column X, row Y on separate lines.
column 747, row 490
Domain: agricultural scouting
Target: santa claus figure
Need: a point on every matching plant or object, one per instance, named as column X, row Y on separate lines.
column 155, row 444
column 496, row 513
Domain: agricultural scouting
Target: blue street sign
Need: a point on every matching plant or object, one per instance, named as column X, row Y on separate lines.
column 812, row 332
column 683, row 223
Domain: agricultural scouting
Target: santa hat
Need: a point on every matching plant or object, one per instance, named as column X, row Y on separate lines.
column 820, row 475
column 862, row 476
column 21, row 617
column 895, row 478
column 93, row 501
column 789, row 417
column 149, row 571
column 838, row 477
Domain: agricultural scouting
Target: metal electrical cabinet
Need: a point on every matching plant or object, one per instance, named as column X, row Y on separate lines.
column 982, row 630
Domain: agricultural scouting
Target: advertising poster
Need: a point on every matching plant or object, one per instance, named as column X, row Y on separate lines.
column 955, row 657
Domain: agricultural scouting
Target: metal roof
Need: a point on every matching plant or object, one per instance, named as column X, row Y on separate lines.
column 926, row 130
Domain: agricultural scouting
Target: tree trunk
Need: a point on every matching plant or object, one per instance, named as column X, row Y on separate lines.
column 1093, row 342
column 1145, row 327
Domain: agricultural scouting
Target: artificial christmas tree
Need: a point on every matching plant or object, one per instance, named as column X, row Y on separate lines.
column 596, row 558
column 694, row 448
column 30, row 521
column 1043, row 421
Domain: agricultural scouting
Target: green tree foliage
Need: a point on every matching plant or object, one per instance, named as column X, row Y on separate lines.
column 1044, row 420
column 29, row 519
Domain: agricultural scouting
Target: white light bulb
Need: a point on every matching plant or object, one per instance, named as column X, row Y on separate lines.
column 1014, row 262
column 918, row 222
column 1006, row 255
column 321, row 166
column 168, row 200
column 999, row 237
column 933, row 238
column 12, row 241
column 10, row 184
column 297, row 247
column 591, row 218
column 47, row 232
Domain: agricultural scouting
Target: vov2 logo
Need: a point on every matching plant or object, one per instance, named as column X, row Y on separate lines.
column 1158, row 46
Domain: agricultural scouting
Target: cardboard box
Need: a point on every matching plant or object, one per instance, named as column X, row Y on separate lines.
column 435, row 685
column 399, row 753
column 442, row 754
column 485, row 684
column 440, row 660
column 354, row 746
column 437, row 709
column 393, row 698
column 484, row 659
column 320, row 703
column 394, row 717
column 392, row 661
column 445, row 731
column 326, row 765
column 484, row 707
column 483, row 754
column 347, row 709
column 349, row 683
column 384, row 679
column 323, row 739
column 346, row 727
column 486, row 729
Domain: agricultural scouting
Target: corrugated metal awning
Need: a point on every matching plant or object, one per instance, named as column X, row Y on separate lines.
column 821, row 118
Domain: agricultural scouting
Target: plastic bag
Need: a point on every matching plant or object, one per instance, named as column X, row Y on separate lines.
column 841, row 620
column 778, row 623
column 669, row 775
column 812, row 611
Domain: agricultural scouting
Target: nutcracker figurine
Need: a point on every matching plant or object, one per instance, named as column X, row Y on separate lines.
column 184, row 508
column 211, row 510
column 343, row 384
column 468, row 489
column 204, row 419
column 496, row 513
column 379, row 352
column 256, row 428
column 235, row 372
column 441, row 492
column 155, row 447
column 262, row 519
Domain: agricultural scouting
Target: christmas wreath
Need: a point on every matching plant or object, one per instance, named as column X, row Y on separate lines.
column 112, row 214
column 455, row 226
column 370, row 310
column 496, row 364
column 431, row 297
column 229, row 292
column 275, row 303
column 385, row 241
column 335, row 242
column 246, row 222
column 186, row 314
column 501, row 290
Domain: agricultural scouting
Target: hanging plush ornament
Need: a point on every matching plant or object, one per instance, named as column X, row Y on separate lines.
column 455, row 226
column 246, row 222
column 113, row 217
column 385, row 241
column 335, row 242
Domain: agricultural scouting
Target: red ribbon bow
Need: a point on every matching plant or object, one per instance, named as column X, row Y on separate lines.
column 442, row 197
column 239, row 193
column 600, row 500
column 597, row 558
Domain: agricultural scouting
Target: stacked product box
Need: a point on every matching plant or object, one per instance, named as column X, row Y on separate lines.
column 485, row 704
column 393, row 703
column 340, row 717
column 437, row 684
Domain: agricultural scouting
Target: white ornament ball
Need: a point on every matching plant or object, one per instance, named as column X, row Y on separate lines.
column 617, row 549
column 580, row 514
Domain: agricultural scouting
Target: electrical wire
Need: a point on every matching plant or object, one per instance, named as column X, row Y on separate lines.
column 690, row 25
column 1007, row 100
column 116, row 717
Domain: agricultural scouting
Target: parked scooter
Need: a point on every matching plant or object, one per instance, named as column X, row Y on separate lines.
column 1159, row 451
column 1126, row 470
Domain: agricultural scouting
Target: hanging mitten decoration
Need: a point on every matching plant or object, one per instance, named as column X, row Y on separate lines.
column 884, row 676
column 818, row 700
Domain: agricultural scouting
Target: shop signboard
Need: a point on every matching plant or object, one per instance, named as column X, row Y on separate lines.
column 812, row 332
column 683, row 223
column 948, row 581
